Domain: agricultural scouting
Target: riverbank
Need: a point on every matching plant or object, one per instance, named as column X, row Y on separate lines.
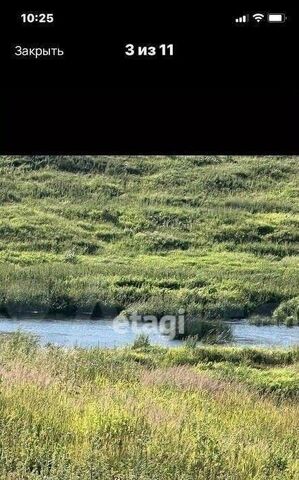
column 148, row 412
column 216, row 236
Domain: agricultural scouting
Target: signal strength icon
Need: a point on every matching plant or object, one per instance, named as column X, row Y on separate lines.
column 243, row 19
column 258, row 17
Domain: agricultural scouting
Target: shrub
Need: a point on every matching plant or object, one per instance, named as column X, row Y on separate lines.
column 288, row 312
column 206, row 331
column 141, row 341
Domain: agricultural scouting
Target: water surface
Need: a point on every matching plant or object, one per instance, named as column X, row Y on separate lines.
column 90, row 333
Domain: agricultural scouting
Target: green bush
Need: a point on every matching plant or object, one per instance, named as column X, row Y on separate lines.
column 288, row 312
column 206, row 331
column 141, row 341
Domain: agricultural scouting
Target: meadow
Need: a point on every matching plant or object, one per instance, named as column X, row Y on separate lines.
column 147, row 413
column 217, row 236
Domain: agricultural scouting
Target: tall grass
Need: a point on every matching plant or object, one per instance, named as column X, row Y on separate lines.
column 217, row 236
column 147, row 412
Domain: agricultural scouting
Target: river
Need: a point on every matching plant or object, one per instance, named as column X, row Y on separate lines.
column 91, row 333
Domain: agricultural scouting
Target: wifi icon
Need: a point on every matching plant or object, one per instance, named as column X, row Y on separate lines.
column 258, row 17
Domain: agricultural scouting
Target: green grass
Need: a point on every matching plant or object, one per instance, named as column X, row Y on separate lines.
column 147, row 413
column 283, row 381
column 217, row 236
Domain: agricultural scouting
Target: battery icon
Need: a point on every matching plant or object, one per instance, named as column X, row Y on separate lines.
column 276, row 17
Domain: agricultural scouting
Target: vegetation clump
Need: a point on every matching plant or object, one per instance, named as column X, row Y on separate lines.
column 288, row 312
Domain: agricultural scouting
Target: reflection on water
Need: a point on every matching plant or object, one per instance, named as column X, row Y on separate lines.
column 91, row 333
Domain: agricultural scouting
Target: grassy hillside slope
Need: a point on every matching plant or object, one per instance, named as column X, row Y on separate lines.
column 218, row 236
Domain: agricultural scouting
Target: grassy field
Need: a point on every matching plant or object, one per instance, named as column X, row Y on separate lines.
column 217, row 236
column 147, row 413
